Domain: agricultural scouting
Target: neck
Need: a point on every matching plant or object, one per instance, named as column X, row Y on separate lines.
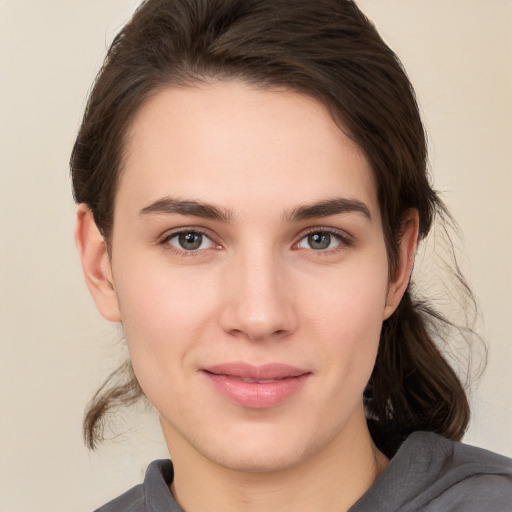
column 331, row 480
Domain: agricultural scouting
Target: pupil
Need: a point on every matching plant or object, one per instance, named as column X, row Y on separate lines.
column 319, row 241
column 190, row 241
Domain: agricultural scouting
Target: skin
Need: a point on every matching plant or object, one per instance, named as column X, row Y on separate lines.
column 256, row 290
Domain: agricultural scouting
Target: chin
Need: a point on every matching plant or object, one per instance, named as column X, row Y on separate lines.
column 261, row 450
column 261, row 460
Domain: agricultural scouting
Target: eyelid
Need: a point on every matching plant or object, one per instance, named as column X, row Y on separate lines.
column 346, row 240
column 164, row 239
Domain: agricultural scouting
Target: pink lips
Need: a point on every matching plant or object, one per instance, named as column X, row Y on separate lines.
column 256, row 387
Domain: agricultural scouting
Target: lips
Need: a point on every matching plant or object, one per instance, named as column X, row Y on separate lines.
column 256, row 387
column 252, row 381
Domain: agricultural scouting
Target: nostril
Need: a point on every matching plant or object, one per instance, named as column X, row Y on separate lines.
column 257, row 312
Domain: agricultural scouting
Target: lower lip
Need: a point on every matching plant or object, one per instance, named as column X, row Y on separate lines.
column 256, row 395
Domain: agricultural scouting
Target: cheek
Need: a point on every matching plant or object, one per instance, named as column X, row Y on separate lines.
column 349, row 316
column 354, row 297
column 164, row 313
column 170, row 315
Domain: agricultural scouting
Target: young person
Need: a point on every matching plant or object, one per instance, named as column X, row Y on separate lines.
column 252, row 188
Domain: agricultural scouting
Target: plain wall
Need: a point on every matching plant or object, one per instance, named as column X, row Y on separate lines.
column 55, row 349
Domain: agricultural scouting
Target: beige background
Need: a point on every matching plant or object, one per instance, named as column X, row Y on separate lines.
column 55, row 349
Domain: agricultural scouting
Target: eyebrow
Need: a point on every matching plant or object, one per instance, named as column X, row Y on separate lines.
column 327, row 208
column 170, row 205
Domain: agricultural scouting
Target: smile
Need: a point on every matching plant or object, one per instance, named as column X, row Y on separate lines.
column 256, row 387
column 262, row 381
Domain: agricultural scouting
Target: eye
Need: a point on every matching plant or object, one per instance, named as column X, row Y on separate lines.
column 320, row 241
column 189, row 241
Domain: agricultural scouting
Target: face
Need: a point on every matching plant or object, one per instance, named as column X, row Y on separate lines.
column 249, row 272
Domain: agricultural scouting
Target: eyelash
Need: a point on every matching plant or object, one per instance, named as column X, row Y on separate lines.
column 164, row 241
column 344, row 241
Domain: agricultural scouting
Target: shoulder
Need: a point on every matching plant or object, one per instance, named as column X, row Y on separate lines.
column 455, row 459
column 469, row 477
column 151, row 496
column 455, row 476
column 130, row 501
column 430, row 473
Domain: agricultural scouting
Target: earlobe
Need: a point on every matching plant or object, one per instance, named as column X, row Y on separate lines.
column 409, row 233
column 94, row 257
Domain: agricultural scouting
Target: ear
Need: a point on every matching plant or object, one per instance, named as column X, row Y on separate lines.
column 406, row 251
column 96, row 264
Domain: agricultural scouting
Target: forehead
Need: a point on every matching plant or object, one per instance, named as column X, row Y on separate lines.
column 232, row 144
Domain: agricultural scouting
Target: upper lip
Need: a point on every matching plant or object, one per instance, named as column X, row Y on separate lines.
column 268, row 371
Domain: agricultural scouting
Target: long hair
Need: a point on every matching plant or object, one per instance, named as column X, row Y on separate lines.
column 326, row 49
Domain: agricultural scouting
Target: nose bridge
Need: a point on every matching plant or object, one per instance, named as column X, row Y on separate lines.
column 258, row 304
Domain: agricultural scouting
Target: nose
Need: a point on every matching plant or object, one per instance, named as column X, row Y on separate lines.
column 258, row 298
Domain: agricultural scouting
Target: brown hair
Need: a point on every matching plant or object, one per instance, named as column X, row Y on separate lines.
column 329, row 50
